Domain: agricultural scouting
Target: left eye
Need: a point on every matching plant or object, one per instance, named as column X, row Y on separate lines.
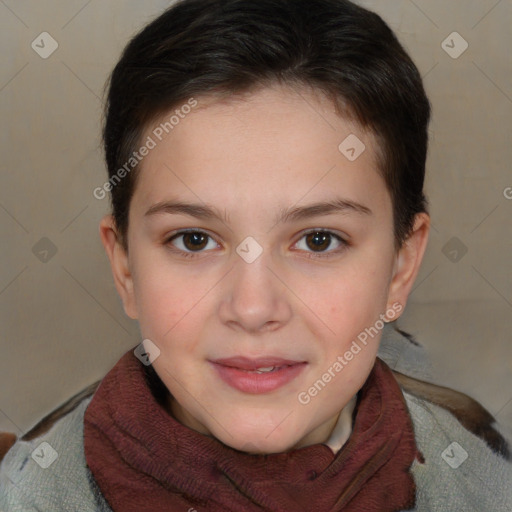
column 319, row 241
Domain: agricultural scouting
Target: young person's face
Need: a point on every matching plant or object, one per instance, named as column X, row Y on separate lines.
column 260, row 164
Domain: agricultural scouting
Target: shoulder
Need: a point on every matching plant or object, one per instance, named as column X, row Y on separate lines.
column 46, row 468
column 467, row 458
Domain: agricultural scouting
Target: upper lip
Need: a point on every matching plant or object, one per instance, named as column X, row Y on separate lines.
column 245, row 363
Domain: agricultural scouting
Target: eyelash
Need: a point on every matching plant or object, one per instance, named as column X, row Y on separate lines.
column 311, row 254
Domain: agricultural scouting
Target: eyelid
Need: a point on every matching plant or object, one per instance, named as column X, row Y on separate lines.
column 184, row 231
column 340, row 235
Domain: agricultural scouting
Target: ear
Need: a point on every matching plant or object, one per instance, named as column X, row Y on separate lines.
column 408, row 261
column 119, row 264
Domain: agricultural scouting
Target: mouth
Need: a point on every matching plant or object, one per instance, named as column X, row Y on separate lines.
column 260, row 375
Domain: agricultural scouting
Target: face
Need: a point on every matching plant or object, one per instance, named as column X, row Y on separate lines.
column 258, row 254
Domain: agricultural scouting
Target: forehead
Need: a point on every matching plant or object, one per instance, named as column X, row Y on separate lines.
column 273, row 144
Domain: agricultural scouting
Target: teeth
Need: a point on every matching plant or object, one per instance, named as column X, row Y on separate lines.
column 264, row 370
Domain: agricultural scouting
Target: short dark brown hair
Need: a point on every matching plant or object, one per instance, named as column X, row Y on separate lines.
column 201, row 47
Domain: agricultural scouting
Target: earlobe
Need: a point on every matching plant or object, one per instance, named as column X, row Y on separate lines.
column 408, row 261
column 119, row 264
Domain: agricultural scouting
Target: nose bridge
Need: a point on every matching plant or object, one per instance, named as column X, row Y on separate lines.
column 253, row 281
column 255, row 297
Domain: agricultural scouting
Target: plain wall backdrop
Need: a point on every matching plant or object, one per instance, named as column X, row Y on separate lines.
column 62, row 323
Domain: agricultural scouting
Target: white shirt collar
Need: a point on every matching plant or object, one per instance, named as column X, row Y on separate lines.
column 343, row 428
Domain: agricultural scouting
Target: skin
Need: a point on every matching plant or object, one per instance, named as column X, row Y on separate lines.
column 251, row 157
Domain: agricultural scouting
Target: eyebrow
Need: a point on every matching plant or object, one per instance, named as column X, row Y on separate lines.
column 338, row 205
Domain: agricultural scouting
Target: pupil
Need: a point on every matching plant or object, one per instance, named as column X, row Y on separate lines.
column 321, row 240
column 197, row 240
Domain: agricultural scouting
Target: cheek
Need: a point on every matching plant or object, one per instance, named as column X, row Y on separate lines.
column 167, row 302
column 356, row 297
column 352, row 310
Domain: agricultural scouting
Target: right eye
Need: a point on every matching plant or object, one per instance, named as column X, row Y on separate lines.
column 190, row 242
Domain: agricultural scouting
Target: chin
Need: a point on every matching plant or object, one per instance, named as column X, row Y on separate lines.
column 257, row 440
column 260, row 446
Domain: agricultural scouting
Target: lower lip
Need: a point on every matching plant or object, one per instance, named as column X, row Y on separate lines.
column 257, row 383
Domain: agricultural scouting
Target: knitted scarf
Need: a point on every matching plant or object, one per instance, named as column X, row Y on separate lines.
column 144, row 460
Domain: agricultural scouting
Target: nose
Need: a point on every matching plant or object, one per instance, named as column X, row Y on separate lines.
column 255, row 300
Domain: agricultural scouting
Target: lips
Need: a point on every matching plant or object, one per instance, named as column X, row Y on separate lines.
column 259, row 375
column 244, row 363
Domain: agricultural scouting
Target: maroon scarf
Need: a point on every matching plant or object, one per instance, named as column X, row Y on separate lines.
column 145, row 460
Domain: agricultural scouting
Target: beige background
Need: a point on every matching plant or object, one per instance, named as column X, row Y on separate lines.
column 62, row 322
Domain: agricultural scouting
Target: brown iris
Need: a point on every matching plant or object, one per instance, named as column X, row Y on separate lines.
column 195, row 241
column 320, row 240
